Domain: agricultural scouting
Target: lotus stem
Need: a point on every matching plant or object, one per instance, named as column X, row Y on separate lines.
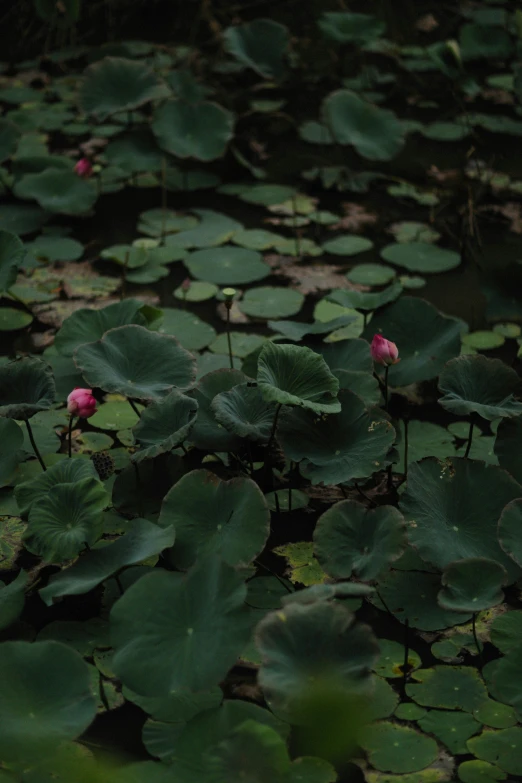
column 386, row 388
column 406, row 654
column 274, row 425
column 475, row 637
column 296, row 229
column 133, row 406
column 229, row 340
column 405, row 449
column 470, row 439
column 33, row 444
column 163, row 197
column 69, row 439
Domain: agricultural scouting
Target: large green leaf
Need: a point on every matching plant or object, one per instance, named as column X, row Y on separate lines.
column 141, row 540
column 243, row 412
column 397, row 748
column 67, row 471
column 164, row 425
column 12, row 599
column 455, row 506
column 292, row 375
column 58, row 191
column 448, row 687
column 363, row 300
column 499, row 747
column 476, row 384
column 507, row 446
column 193, row 130
column 227, row 265
column 376, row 134
column 207, row 432
column 260, row 45
column 87, row 326
column 423, row 350
column 509, row 526
column 421, row 257
column 45, row 699
column 171, row 631
column 11, row 438
column 472, row 584
column 26, row 387
column 66, row 519
column 117, row 84
column 351, row 539
column 348, row 27
column 135, row 151
column 135, row 362
column 228, row 518
column 12, row 254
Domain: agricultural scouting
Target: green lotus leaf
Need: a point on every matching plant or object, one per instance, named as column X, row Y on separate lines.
column 115, row 415
column 456, row 505
column 507, row 678
column 45, row 699
column 451, row 728
column 243, row 412
column 448, row 687
column 351, row 539
column 421, row 257
column 253, row 751
column 472, row 585
column 347, row 27
column 58, row 191
column 11, row 438
column 509, row 530
column 371, row 274
column 67, row 471
column 189, row 629
column 501, row 748
column 66, row 519
column 211, row 516
column 445, row 131
column 176, row 707
column 292, row 375
column 483, row 340
column 116, row 84
column 391, row 659
column 376, row 134
column 11, row 319
column 243, row 344
column 9, row 136
column 361, row 300
column 191, row 332
column 399, row 749
column 506, row 630
column 481, row 41
column 213, row 229
column 353, row 355
column 477, row 771
column 227, row 265
column 164, row 425
column 87, row 326
column 12, row 599
column 55, row 248
column 426, row 439
column 423, row 350
column 207, row 432
column 158, row 222
column 135, row 151
column 349, row 445
column 363, row 384
column 193, row 130
column 295, row 330
column 270, row 302
column 260, row 45
column 476, row 384
column 12, row 254
column 287, row 641
column 22, row 219
column 198, row 292
column 326, row 592
column 135, row 362
column 141, row 540
column 495, row 714
column 347, row 245
column 26, row 387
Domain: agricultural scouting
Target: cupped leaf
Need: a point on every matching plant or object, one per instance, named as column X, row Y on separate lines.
column 376, row 134
column 453, row 508
column 509, row 527
column 227, row 265
column 260, row 45
column 190, row 629
column 421, row 257
column 211, row 516
column 141, row 540
column 66, row 519
column 424, row 349
column 45, row 699
column 135, row 362
column 351, row 539
column 58, row 191
column 67, row 471
column 244, row 412
column 352, row 444
column 472, row 584
column 208, row 433
column 362, row 300
column 12, row 599
column 26, row 387
column 164, row 425
column 348, row 27
column 292, row 375
column 193, row 130
column 12, row 254
column 87, row 326
column 135, row 151
column 394, row 748
column 117, row 84
column 11, row 438
column 507, row 446
column 476, row 384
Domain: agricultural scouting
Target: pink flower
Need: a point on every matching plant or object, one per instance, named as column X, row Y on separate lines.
column 383, row 351
column 185, row 286
column 83, row 168
column 80, row 402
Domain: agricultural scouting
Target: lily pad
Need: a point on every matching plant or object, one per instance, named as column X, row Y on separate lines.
column 421, row 257
column 500, row 747
column 270, row 302
column 198, row 291
column 472, row 584
column 191, row 332
column 227, row 265
column 476, row 384
column 371, row 274
column 164, row 425
column 480, row 772
column 58, row 191
column 114, row 415
column 347, row 245
column 483, row 340
column 213, row 229
column 117, row 84
column 26, row 387
column 451, row 728
column 12, row 254
column 507, row 446
column 366, row 301
column 448, row 687
column 193, row 130
column 399, row 749
column 69, row 471
column 347, row 27
column 260, row 45
column 12, row 319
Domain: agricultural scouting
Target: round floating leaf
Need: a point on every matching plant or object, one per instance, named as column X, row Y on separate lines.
column 58, row 191
column 260, row 45
column 11, row 438
column 141, row 540
column 178, row 706
column 12, row 599
column 451, row 728
column 115, row 415
column 361, row 300
column 399, row 749
column 287, row 641
column 116, row 84
column 353, row 354
column 164, row 425
column 376, row 134
column 507, row 446
column 67, row 471
column 291, row 375
column 347, row 245
column 207, row 432
column 243, row 412
column 190, row 331
column 495, row 714
column 351, row 539
column 472, row 585
column 480, row 772
column 506, row 631
column 270, row 302
column 268, row 195
column 9, row 136
column 483, row 340
column 26, row 387
column 476, row 384
column 391, row 660
column 347, row 27
column 427, row 440
column 189, row 629
column 371, row 274
column 448, row 687
column 303, row 566
column 66, row 519
column 227, row 265
column 212, row 230
column 350, row 445
column 135, row 362
column 135, row 151
column 198, row 292
column 12, row 254
column 421, row 257
column 56, row 248
column 193, row 130
column 507, row 680
column 455, row 506
column 445, row 131
column 86, row 326
column 12, row 319
column 423, row 350
column 211, row 516
column 509, row 530
column 21, row 218
column 503, row 748
column 243, row 344
column 45, row 699
column 480, row 41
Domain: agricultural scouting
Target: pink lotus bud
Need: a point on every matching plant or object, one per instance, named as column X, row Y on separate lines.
column 383, row 351
column 185, row 286
column 80, row 402
column 83, row 168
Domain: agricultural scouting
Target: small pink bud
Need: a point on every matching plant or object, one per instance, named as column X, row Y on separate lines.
column 83, row 168
column 384, row 351
column 80, row 402
column 185, row 286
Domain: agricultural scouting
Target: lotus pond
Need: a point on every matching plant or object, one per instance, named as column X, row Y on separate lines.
column 265, row 548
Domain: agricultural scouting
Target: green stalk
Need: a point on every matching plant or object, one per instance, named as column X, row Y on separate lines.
column 33, row 444
column 69, row 439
